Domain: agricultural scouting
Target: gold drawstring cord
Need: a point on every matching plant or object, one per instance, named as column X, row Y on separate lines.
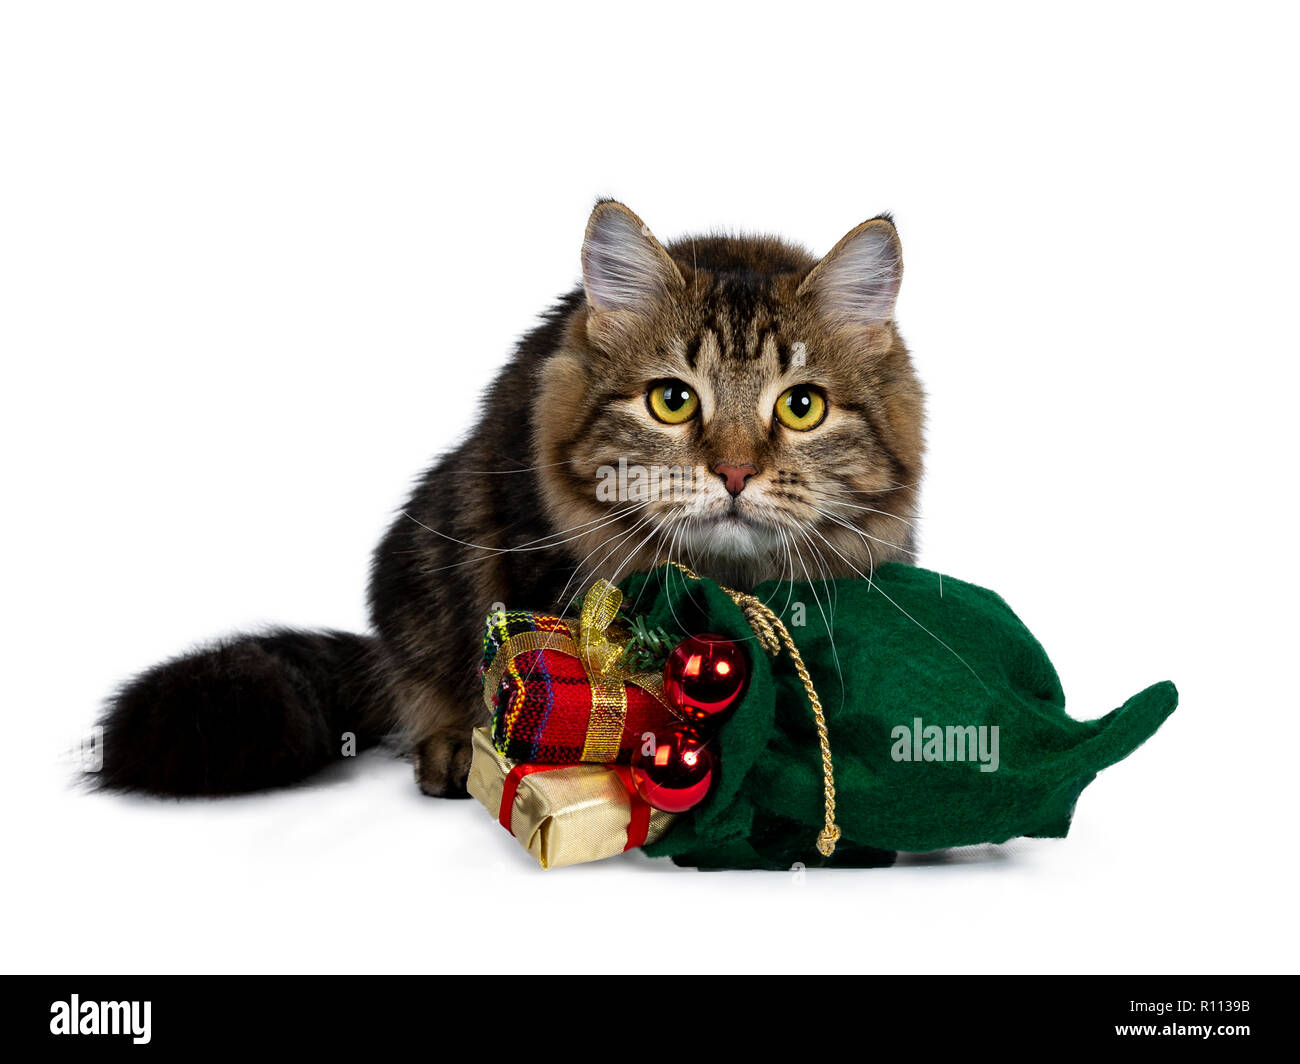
column 773, row 634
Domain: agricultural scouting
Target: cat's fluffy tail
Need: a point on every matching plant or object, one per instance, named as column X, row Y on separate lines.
column 244, row 714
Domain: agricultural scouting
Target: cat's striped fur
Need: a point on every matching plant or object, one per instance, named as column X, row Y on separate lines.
column 512, row 515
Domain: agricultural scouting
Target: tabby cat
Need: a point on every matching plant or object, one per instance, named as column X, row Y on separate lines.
column 780, row 386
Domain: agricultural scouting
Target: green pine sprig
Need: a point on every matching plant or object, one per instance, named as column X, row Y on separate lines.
column 647, row 648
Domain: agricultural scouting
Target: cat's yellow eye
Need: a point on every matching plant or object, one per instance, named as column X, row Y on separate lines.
column 801, row 408
column 672, row 402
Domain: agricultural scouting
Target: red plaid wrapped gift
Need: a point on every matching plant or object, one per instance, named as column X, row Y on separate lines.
column 556, row 693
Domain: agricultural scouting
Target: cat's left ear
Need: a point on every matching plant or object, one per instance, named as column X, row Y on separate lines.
column 625, row 270
column 856, row 284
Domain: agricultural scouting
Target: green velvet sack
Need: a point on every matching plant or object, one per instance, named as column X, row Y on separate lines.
column 915, row 655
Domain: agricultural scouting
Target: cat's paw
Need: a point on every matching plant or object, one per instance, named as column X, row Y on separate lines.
column 442, row 765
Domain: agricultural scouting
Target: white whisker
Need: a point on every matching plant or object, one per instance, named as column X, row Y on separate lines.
column 867, row 535
column 871, row 510
column 529, row 545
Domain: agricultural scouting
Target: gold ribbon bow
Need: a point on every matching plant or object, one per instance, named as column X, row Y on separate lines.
column 599, row 608
column 598, row 654
column 773, row 634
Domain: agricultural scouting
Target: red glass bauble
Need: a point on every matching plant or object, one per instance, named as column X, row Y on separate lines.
column 677, row 775
column 704, row 676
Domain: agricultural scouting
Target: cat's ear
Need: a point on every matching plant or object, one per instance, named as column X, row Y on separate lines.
column 857, row 283
column 625, row 270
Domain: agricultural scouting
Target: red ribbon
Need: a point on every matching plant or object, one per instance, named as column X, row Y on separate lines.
column 639, row 826
column 637, row 829
column 511, row 788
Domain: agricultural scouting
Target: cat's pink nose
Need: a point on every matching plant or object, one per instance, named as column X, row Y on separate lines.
column 734, row 476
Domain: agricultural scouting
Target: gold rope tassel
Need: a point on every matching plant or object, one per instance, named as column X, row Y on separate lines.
column 773, row 634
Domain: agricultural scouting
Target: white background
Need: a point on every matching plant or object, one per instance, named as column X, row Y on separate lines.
column 257, row 261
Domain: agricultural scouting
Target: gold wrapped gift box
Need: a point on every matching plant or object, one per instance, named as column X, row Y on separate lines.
column 563, row 814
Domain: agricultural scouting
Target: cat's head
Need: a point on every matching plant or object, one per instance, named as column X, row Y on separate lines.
column 732, row 403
